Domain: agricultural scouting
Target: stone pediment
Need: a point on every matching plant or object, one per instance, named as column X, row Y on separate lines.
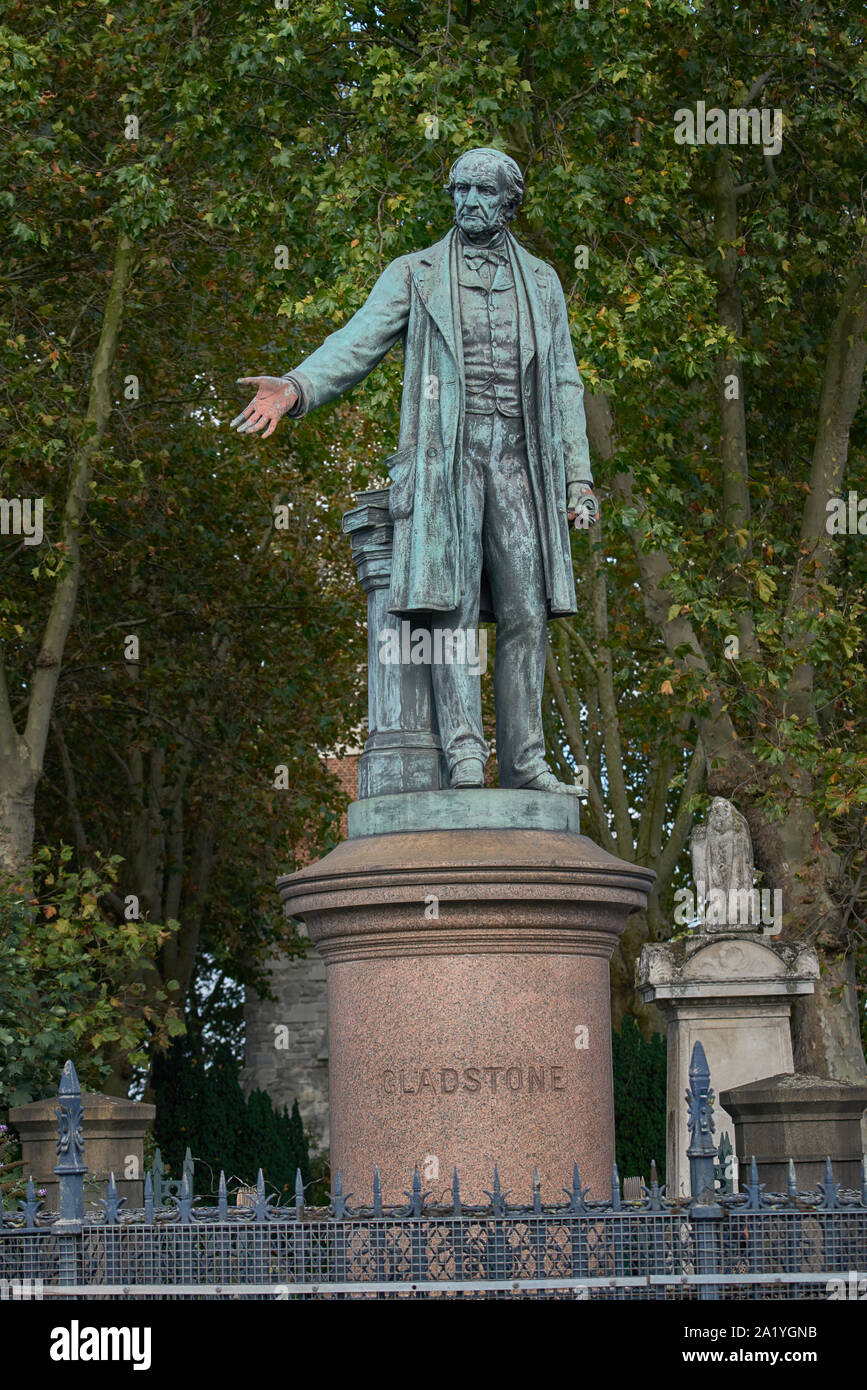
column 735, row 963
column 727, row 959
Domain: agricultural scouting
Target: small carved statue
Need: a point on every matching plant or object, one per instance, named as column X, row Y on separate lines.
column 722, row 855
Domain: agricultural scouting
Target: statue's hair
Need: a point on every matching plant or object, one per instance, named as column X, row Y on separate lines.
column 510, row 176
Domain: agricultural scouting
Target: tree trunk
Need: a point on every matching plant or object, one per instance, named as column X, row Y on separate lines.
column 826, row 1024
column 22, row 757
column 17, row 796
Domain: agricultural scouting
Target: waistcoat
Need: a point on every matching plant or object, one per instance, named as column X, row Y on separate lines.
column 489, row 332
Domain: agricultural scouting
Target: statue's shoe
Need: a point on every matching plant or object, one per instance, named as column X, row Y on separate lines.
column 469, row 772
column 547, row 782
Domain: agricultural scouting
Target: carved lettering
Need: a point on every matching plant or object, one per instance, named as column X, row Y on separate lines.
column 540, row 1078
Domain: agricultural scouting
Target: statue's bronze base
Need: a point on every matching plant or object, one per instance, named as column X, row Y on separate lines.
column 485, row 808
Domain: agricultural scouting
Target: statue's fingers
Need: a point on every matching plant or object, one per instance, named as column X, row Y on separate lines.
column 259, row 423
column 250, row 423
column 245, row 415
column 248, row 380
column 272, row 427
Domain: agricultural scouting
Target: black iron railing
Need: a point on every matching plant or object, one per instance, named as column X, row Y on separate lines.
column 709, row 1245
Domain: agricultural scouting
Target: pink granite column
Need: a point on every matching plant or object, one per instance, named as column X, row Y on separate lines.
column 468, row 1001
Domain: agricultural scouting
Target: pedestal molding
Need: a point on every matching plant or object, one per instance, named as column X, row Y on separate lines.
column 522, row 902
column 335, row 943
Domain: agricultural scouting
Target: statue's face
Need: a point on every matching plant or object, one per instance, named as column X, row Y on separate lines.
column 720, row 813
column 480, row 202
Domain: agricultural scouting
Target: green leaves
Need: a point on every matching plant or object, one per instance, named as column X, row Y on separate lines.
column 311, row 129
column 71, row 984
column 765, row 587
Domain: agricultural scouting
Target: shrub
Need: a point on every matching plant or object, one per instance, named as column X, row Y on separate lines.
column 202, row 1106
column 639, row 1100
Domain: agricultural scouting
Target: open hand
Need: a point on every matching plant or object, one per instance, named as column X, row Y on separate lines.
column 273, row 398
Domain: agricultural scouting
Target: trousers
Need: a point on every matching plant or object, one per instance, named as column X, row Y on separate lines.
column 501, row 532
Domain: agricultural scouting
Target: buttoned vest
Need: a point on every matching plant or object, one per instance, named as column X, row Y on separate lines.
column 489, row 332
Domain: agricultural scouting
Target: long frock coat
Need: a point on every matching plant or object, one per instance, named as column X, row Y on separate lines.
column 416, row 300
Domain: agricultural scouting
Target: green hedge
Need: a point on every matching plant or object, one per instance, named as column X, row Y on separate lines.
column 639, row 1100
column 203, row 1106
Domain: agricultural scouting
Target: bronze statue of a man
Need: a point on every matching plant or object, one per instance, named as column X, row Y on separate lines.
column 492, row 462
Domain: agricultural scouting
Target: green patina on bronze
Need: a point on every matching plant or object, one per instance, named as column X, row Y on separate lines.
column 492, row 451
column 416, row 300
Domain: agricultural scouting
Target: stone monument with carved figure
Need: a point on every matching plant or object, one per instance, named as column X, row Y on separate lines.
column 727, row 984
column 466, row 930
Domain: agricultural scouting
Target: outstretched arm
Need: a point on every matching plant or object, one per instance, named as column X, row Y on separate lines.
column 344, row 359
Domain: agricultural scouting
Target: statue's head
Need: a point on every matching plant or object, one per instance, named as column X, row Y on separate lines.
column 722, row 813
column 486, row 187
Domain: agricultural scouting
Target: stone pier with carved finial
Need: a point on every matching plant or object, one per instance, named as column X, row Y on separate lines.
column 727, row 983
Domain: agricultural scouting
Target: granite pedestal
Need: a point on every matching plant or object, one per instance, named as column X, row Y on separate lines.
column 468, row 992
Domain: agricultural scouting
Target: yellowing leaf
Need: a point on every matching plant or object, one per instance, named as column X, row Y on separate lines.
column 666, row 688
column 765, row 587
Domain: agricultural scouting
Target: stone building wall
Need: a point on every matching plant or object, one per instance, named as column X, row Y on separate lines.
column 286, row 1043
